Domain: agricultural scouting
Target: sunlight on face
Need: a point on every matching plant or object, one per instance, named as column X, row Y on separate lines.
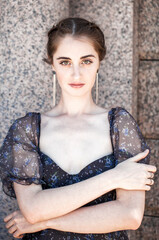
column 76, row 61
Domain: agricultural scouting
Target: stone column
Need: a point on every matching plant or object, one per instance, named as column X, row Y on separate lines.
column 148, row 107
column 25, row 80
column 116, row 73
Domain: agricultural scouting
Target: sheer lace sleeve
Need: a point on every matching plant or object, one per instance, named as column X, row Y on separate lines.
column 19, row 158
column 126, row 135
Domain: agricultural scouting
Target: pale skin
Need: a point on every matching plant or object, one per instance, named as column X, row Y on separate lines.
column 130, row 179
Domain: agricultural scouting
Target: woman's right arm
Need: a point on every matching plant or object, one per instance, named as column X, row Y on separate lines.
column 39, row 205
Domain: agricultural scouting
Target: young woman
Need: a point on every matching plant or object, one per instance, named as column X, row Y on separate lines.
column 74, row 170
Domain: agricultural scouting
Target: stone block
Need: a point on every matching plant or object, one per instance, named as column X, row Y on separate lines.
column 115, row 18
column 149, row 229
column 152, row 196
column 26, row 81
column 148, row 100
column 149, row 29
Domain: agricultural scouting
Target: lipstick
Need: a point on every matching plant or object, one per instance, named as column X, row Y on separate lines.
column 78, row 85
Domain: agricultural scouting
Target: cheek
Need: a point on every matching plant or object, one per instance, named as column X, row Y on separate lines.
column 91, row 74
column 63, row 77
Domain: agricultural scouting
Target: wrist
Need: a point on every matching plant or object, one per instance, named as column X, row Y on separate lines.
column 111, row 180
column 51, row 223
column 41, row 225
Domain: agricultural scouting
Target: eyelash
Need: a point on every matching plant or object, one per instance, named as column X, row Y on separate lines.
column 69, row 62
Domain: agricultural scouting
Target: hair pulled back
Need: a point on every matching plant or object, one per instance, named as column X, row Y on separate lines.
column 75, row 27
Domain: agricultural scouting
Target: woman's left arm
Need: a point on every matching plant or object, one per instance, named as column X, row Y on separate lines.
column 126, row 212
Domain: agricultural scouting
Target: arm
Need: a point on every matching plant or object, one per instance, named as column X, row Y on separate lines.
column 125, row 213
column 38, row 205
column 106, row 217
column 121, row 214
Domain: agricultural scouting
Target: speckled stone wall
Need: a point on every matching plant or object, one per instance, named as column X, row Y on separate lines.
column 148, row 106
column 149, row 229
column 149, row 29
column 116, row 73
column 25, row 80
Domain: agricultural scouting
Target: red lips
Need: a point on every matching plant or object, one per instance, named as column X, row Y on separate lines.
column 76, row 85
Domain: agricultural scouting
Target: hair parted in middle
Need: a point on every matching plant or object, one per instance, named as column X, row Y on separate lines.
column 76, row 27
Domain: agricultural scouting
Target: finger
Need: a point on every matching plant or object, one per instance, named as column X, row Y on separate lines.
column 16, row 235
column 140, row 156
column 19, row 237
column 12, row 229
column 149, row 181
column 150, row 175
column 147, row 187
column 8, row 217
column 151, row 168
column 9, row 223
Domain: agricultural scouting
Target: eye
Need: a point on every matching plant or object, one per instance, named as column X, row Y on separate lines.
column 87, row 62
column 65, row 63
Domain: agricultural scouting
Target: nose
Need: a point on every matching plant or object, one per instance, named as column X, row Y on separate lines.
column 76, row 73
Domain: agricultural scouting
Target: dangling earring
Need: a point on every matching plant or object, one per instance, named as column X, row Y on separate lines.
column 97, row 88
column 54, row 88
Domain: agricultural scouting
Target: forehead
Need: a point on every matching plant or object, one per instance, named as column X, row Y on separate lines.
column 76, row 46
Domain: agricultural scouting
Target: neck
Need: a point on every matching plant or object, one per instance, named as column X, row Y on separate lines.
column 75, row 106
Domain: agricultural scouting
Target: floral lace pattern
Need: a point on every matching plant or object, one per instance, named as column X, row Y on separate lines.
column 22, row 161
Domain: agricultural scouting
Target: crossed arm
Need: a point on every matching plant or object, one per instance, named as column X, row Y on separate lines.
column 105, row 217
column 102, row 218
column 60, row 208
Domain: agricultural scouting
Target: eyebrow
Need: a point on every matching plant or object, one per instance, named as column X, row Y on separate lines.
column 90, row 55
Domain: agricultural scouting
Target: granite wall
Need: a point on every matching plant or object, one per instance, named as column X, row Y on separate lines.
column 148, row 106
column 128, row 76
column 25, row 80
column 116, row 73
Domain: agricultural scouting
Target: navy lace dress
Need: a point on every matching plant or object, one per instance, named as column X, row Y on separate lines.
column 22, row 161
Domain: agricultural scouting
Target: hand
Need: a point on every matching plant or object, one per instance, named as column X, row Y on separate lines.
column 18, row 225
column 135, row 176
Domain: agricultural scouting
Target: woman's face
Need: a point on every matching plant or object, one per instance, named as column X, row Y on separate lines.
column 76, row 61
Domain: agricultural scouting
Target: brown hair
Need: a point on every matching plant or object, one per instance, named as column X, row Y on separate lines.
column 75, row 27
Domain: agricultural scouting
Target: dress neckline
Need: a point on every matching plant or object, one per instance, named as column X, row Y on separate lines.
column 88, row 165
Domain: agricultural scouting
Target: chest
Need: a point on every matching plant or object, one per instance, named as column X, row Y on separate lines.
column 72, row 145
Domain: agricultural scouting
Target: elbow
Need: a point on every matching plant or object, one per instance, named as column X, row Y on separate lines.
column 30, row 214
column 135, row 224
column 136, row 219
column 31, row 218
